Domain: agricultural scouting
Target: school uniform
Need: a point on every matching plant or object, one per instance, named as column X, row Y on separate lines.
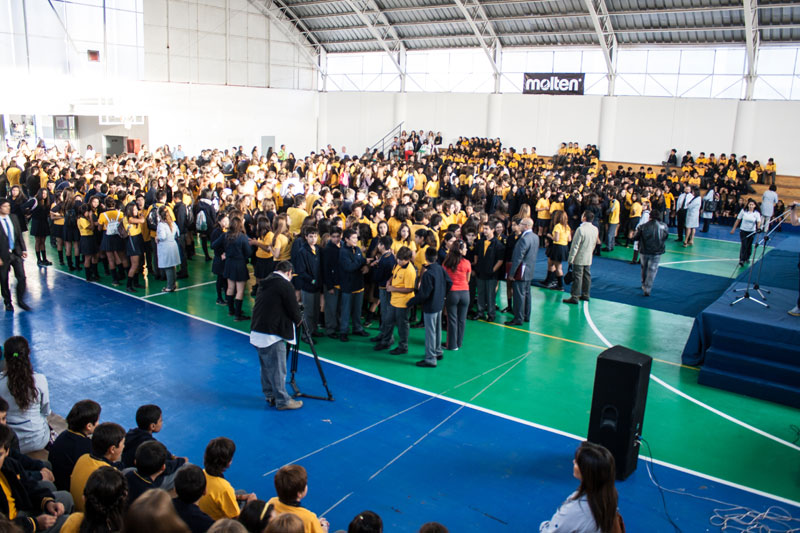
column 196, row 519
column 403, row 277
column 68, row 447
column 84, row 467
column 488, row 253
column 22, row 499
column 433, row 288
column 137, row 485
column 308, row 278
column 219, row 501
column 88, row 244
column 351, row 260
column 330, row 284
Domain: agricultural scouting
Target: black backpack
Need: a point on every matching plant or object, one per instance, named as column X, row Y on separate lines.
column 152, row 217
column 71, row 217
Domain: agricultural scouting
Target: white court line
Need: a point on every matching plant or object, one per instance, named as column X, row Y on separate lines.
column 459, row 402
column 691, row 399
column 180, row 289
column 694, row 261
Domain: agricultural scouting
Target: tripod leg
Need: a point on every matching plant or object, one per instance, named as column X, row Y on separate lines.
column 293, row 354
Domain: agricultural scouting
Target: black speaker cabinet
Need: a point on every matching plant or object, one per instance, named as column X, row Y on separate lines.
column 618, row 401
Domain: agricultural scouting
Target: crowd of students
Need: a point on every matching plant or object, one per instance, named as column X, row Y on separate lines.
column 356, row 228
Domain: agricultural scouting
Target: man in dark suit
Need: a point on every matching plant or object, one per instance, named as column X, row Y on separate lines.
column 523, row 261
column 12, row 254
column 276, row 316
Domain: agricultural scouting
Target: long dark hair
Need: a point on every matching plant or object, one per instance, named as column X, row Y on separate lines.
column 596, row 465
column 454, row 256
column 106, row 496
column 21, row 384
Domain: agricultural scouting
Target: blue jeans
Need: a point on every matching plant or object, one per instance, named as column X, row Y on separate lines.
column 433, row 336
column 351, row 310
column 612, row 232
column 273, row 373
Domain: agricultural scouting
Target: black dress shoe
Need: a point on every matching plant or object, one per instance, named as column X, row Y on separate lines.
column 380, row 347
column 343, row 337
column 333, row 335
column 571, row 300
column 399, row 351
column 22, row 305
column 362, row 333
column 513, row 323
column 439, row 357
column 425, row 364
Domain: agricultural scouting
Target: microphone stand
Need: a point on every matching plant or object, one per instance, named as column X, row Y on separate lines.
column 763, row 243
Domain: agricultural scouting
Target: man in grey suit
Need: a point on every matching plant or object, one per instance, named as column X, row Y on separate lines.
column 580, row 257
column 12, row 256
column 523, row 261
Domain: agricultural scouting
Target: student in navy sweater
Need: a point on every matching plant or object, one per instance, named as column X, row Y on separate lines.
column 330, row 281
column 74, row 442
column 308, row 279
column 149, row 420
column 352, row 267
column 431, row 293
column 190, row 485
column 151, row 459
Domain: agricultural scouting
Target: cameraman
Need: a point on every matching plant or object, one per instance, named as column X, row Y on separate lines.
column 276, row 315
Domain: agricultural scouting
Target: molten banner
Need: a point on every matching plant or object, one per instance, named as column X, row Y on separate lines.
column 553, row 83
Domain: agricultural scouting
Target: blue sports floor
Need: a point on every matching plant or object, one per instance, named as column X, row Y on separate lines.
column 408, row 455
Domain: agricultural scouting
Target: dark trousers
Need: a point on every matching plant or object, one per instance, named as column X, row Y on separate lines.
column 522, row 300
column 681, row 223
column 310, row 310
column 487, row 294
column 16, row 264
column 332, row 312
column 457, row 303
column 350, row 309
column 747, row 245
column 396, row 316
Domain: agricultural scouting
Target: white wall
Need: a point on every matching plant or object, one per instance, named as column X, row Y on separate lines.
column 223, row 42
column 91, row 132
column 195, row 116
column 625, row 128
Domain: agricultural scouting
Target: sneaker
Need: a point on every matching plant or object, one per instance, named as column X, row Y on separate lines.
column 795, row 311
column 291, row 404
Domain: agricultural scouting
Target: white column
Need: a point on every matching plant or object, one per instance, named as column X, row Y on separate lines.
column 494, row 116
column 606, row 137
column 399, row 109
column 744, row 132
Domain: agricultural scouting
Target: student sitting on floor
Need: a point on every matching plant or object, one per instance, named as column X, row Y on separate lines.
column 149, row 420
column 190, row 485
column 291, row 484
column 36, row 471
column 286, row 523
column 105, row 500
column 220, row 500
column 28, row 505
column 150, row 462
column 108, row 440
column 74, row 442
column 256, row 515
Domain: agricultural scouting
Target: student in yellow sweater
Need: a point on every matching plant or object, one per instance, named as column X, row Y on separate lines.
column 291, row 485
column 220, row 500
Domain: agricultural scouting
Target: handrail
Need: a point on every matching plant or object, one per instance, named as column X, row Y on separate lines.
column 382, row 141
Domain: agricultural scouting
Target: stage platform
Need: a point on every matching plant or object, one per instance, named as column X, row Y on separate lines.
column 747, row 348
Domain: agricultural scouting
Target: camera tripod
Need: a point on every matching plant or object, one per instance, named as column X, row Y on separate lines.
column 294, row 354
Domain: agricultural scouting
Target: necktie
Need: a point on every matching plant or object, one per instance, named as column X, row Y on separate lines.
column 10, row 233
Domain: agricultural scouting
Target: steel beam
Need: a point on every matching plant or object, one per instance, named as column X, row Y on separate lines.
column 752, row 42
column 482, row 28
column 608, row 40
column 373, row 18
column 294, row 28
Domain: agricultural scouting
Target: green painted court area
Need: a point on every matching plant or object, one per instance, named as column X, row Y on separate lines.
column 544, row 372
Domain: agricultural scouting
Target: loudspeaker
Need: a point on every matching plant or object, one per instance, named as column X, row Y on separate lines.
column 618, row 401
